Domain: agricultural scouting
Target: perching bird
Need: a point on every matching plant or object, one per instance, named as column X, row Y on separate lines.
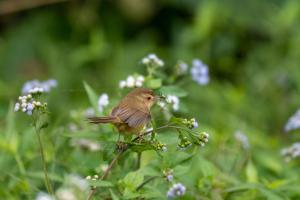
column 132, row 114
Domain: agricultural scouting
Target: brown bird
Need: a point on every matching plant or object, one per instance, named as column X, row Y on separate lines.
column 132, row 114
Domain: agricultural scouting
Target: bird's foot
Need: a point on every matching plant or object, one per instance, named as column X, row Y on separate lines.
column 121, row 146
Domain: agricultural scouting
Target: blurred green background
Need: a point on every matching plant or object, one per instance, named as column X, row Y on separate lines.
column 252, row 49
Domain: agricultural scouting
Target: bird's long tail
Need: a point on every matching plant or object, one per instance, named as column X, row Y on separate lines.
column 103, row 120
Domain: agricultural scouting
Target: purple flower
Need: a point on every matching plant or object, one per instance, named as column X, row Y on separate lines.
column 176, row 190
column 200, row 72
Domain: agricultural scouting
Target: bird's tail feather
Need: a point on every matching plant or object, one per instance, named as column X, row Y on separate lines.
column 103, row 120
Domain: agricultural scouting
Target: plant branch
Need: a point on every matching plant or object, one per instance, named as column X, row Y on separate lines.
column 146, row 181
column 47, row 181
column 113, row 162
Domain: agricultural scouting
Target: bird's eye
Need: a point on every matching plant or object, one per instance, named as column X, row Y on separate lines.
column 149, row 98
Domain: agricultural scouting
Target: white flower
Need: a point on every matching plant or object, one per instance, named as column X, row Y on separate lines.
column 291, row 152
column 293, row 122
column 242, row 138
column 153, row 60
column 45, row 86
column 104, row 167
column 17, row 107
column 66, row 194
column 103, row 101
column 122, row 84
column 43, row 196
column 174, row 100
column 132, row 81
column 199, row 72
column 176, row 190
column 78, row 181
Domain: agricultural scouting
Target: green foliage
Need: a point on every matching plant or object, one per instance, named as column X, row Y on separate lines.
column 252, row 50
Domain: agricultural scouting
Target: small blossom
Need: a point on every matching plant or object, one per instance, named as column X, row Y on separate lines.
column 242, row 138
column 17, row 107
column 132, row 81
column 104, row 167
column 88, row 178
column 170, row 178
column 66, row 194
column 291, row 152
column 103, row 101
column 168, row 174
column 153, row 60
column 293, row 122
column 89, row 112
column 200, row 72
column 161, row 147
column 78, row 181
column 174, row 100
column 43, row 196
column 182, row 68
column 177, row 190
column 45, row 86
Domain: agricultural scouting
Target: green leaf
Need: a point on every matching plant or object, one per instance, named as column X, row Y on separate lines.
column 100, row 183
column 140, row 147
column 251, row 172
column 42, row 121
column 92, row 95
column 113, row 195
column 241, row 187
column 270, row 195
column 154, row 83
column 132, row 180
column 173, row 90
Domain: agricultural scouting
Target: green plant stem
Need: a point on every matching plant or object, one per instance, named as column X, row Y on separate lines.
column 146, row 181
column 113, row 162
column 20, row 164
column 47, row 181
column 138, row 161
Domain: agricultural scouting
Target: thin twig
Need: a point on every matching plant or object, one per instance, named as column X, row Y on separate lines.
column 145, row 182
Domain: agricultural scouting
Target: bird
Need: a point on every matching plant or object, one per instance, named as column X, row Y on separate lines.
column 132, row 113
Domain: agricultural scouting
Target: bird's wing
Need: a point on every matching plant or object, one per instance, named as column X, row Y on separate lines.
column 134, row 117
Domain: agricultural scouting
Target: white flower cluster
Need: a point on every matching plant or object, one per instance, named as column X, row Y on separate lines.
column 27, row 103
column 293, row 122
column 291, row 152
column 45, row 85
column 199, row 72
column 132, row 82
column 93, row 178
column 170, row 99
column 203, row 139
column 153, row 60
column 103, row 101
column 242, row 138
column 177, row 190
